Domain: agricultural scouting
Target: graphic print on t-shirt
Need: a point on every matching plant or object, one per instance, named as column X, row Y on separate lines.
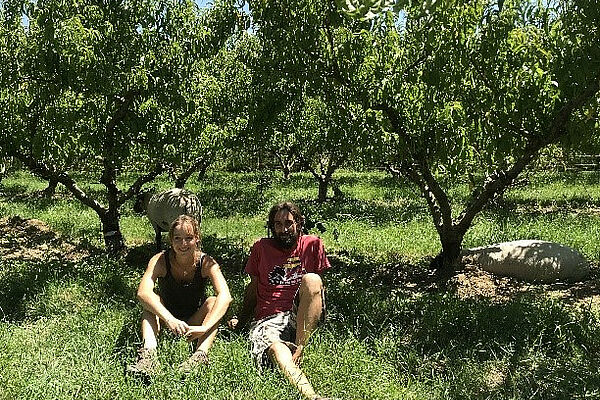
column 288, row 274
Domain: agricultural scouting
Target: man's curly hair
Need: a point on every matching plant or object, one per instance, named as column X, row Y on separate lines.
column 291, row 208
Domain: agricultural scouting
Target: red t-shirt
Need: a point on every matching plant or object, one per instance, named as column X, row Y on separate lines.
column 279, row 271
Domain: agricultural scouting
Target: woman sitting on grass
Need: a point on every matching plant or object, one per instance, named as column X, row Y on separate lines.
column 181, row 303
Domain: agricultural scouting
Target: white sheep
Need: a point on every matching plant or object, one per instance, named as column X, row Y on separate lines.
column 531, row 260
column 163, row 208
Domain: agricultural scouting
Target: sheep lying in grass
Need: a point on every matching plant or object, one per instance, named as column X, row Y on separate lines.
column 530, row 260
column 163, row 208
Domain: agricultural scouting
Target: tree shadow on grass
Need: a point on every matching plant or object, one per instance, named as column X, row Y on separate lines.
column 371, row 212
column 25, row 294
column 14, row 191
column 36, row 259
column 23, row 194
column 421, row 325
column 534, row 208
column 230, row 256
column 227, row 202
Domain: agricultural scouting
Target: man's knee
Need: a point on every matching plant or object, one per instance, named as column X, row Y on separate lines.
column 311, row 285
column 278, row 350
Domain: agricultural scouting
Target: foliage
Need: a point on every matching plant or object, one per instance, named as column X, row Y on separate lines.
column 218, row 89
column 102, row 87
column 367, row 9
column 473, row 91
column 306, row 118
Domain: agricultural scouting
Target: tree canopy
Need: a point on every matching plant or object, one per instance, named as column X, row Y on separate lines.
column 435, row 91
column 473, row 90
column 98, row 87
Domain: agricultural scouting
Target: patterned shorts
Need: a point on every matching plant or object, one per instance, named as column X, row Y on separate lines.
column 280, row 327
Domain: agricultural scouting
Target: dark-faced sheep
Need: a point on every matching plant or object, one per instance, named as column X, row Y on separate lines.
column 163, row 208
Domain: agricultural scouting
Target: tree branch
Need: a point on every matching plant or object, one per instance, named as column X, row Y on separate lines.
column 500, row 179
column 108, row 177
column 136, row 187
column 47, row 173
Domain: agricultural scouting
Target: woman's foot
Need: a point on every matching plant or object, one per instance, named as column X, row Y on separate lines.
column 198, row 358
column 146, row 362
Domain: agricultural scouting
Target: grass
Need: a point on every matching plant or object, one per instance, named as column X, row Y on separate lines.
column 69, row 326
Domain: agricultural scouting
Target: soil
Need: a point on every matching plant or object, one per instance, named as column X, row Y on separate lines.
column 473, row 282
column 31, row 239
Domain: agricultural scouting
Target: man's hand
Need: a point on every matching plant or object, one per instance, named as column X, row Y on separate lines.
column 177, row 326
column 233, row 323
column 195, row 332
column 236, row 323
column 297, row 356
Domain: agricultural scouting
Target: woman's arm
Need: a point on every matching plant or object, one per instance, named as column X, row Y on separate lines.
column 151, row 301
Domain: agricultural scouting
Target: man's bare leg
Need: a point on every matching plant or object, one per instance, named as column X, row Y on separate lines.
column 281, row 354
column 309, row 311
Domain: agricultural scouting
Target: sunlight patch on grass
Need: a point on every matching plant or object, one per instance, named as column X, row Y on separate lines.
column 238, row 228
column 412, row 240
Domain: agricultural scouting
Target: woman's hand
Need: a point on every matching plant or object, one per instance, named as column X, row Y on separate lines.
column 178, row 326
column 196, row 332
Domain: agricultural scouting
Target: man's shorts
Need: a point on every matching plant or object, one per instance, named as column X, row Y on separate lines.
column 280, row 327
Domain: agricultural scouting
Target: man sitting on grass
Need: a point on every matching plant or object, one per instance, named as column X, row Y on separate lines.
column 285, row 295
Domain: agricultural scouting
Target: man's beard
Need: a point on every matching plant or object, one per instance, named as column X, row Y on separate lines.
column 286, row 240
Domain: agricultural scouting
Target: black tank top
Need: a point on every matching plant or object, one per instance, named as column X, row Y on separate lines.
column 182, row 299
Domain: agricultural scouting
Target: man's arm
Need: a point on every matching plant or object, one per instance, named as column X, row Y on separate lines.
column 248, row 306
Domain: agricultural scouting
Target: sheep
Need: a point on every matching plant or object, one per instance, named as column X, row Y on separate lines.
column 163, row 208
column 530, row 260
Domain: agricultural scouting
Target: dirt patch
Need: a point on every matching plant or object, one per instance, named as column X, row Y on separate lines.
column 475, row 283
column 32, row 239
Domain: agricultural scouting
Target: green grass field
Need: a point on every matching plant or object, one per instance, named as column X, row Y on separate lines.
column 69, row 319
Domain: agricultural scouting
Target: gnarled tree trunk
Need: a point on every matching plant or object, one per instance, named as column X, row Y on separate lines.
column 51, row 188
column 111, row 231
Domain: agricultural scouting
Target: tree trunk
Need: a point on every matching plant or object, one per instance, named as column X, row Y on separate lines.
column 449, row 258
column 337, row 192
column 180, row 181
column 286, row 162
column 202, row 171
column 287, row 171
column 323, row 178
column 201, row 164
column 3, row 170
column 323, row 186
column 51, row 188
column 113, row 238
